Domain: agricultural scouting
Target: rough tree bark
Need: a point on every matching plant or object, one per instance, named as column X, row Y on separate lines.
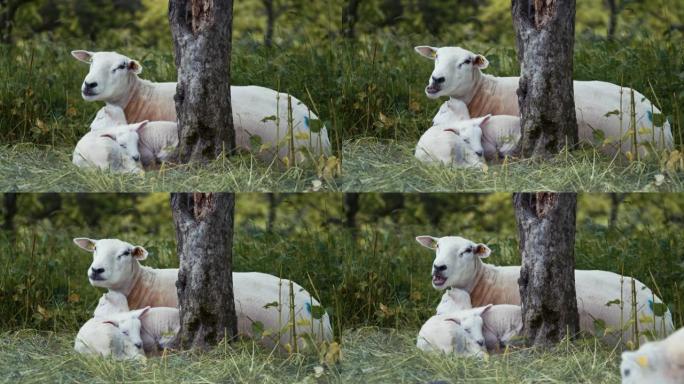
column 612, row 20
column 545, row 36
column 202, row 32
column 273, row 201
column 204, row 232
column 351, row 207
column 350, row 15
column 270, row 22
column 546, row 230
column 615, row 200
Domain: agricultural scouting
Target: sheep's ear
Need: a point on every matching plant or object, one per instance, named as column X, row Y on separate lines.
column 85, row 243
column 481, row 62
column 452, row 130
column 139, row 253
column 482, row 310
column 427, row 241
column 427, row 51
column 112, row 322
column 139, row 126
column 140, row 312
column 134, row 66
column 482, row 120
column 83, row 56
column 482, row 251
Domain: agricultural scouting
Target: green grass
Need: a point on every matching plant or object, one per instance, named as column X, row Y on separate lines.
column 369, row 355
column 27, row 167
column 389, row 166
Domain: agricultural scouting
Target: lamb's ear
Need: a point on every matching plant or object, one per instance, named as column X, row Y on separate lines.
column 481, row 62
column 139, row 253
column 452, row 130
column 112, row 322
column 426, row 51
column 482, row 251
column 454, row 319
column 85, row 243
column 134, row 66
column 482, row 120
column 84, row 56
column 108, row 135
column 481, row 310
column 140, row 312
column 139, row 126
column 427, row 241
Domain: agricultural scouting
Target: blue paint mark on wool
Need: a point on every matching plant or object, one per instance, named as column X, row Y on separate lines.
column 649, row 114
column 306, row 122
column 650, row 305
column 308, row 307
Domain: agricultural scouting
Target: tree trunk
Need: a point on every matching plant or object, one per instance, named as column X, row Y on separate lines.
column 202, row 32
column 272, row 210
column 204, row 232
column 10, row 202
column 612, row 21
column 8, row 9
column 350, row 15
column 615, row 201
column 546, row 229
column 270, row 22
column 351, row 207
column 545, row 36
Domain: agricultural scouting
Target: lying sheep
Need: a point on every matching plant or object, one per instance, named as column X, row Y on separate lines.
column 655, row 362
column 259, row 297
column 257, row 111
column 98, row 150
column 451, row 335
column 458, row 263
column 599, row 105
column 151, row 143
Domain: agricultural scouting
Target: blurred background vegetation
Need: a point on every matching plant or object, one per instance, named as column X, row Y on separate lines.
column 352, row 60
column 356, row 252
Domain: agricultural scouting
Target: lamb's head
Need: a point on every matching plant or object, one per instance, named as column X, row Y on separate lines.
column 114, row 262
column 130, row 326
column 127, row 137
column 470, row 133
column 457, row 260
column 471, row 322
column 456, row 71
column 637, row 366
column 107, row 117
column 111, row 302
column 453, row 300
column 451, row 111
column 110, row 78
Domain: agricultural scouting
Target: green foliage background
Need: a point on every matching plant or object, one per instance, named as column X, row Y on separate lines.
column 374, row 275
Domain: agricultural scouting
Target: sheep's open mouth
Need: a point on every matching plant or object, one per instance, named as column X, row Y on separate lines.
column 432, row 89
column 438, row 280
column 96, row 278
column 89, row 93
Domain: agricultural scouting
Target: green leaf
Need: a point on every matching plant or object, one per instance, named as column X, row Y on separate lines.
column 255, row 143
column 268, row 118
column 271, row 305
column 315, row 125
column 613, row 302
column 317, row 311
column 257, row 329
column 659, row 309
column 614, row 112
column 599, row 136
column 600, row 327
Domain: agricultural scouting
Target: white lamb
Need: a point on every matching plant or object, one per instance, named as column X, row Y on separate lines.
column 458, row 263
column 103, row 336
column 451, row 334
column 257, row 111
column 599, row 105
column 655, row 362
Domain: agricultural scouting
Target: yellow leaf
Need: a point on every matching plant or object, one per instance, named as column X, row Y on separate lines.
column 74, row 298
column 43, row 312
column 302, row 135
column 629, row 155
column 333, row 354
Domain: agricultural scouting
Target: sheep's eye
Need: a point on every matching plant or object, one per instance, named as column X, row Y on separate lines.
column 122, row 66
column 123, row 145
column 125, row 333
column 467, row 61
column 467, row 141
column 467, row 330
column 469, row 249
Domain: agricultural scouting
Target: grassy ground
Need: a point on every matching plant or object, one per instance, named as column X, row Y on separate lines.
column 369, row 355
column 389, row 166
column 27, row 167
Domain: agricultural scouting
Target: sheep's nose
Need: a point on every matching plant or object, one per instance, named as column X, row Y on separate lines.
column 438, row 80
column 480, row 343
column 136, row 158
column 138, row 345
column 479, row 153
column 439, row 268
column 90, row 85
column 97, row 271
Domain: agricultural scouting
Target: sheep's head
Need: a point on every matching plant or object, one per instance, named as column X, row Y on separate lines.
column 451, row 111
column 470, row 134
column 107, row 117
column 456, row 71
column 453, row 300
column 456, row 260
column 471, row 323
column 114, row 261
column 110, row 303
column 110, row 77
column 127, row 138
column 129, row 325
